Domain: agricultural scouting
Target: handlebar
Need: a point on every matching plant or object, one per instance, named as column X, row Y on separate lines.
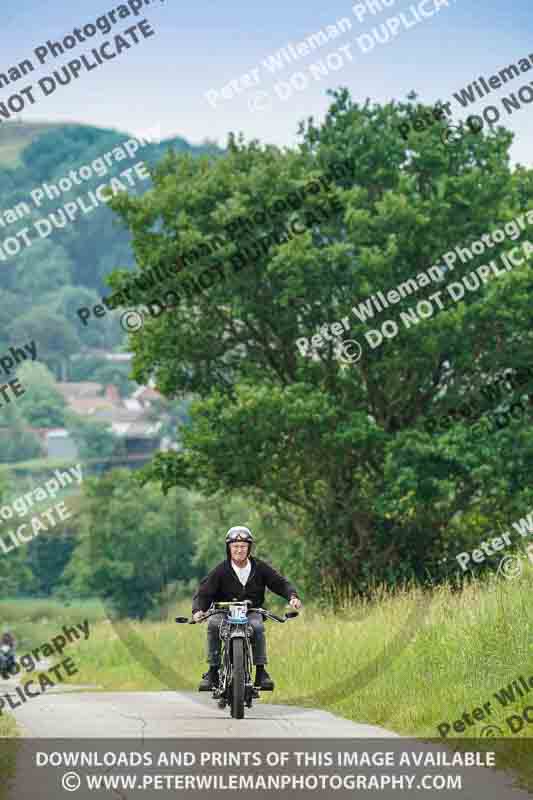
column 211, row 611
column 232, row 603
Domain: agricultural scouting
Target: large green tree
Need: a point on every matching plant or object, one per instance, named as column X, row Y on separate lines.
column 42, row 405
column 94, row 438
column 343, row 444
column 15, row 576
column 56, row 338
column 132, row 545
column 18, row 443
column 40, row 269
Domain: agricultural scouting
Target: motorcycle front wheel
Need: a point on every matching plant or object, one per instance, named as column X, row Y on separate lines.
column 237, row 688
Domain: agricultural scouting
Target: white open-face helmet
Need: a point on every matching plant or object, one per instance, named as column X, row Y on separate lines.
column 239, row 533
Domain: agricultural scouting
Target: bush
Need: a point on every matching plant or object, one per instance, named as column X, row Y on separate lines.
column 134, row 545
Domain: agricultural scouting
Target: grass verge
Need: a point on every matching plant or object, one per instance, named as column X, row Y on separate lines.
column 8, row 735
column 462, row 650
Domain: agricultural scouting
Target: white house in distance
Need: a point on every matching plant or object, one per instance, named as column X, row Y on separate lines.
column 126, row 418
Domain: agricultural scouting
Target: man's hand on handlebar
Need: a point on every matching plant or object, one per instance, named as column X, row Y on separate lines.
column 198, row 615
column 295, row 602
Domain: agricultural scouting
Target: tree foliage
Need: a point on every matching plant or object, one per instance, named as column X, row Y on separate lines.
column 42, row 405
column 76, row 257
column 15, row 574
column 344, row 445
column 132, row 545
column 18, row 444
column 94, row 438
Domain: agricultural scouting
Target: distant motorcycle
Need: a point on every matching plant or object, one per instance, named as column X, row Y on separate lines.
column 8, row 664
column 235, row 675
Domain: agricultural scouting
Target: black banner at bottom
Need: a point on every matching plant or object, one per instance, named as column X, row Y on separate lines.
column 54, row 769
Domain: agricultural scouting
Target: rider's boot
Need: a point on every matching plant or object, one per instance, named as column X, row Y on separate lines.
column 263, row 679
column 209, row 680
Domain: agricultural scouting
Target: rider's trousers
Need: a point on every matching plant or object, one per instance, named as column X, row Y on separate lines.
column 258, row 641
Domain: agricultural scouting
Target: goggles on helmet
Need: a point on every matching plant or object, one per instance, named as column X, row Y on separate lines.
column 239, row 535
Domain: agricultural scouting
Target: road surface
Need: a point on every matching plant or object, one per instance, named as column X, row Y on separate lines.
column 67, row 712
column 73, row 715
column 172, row 714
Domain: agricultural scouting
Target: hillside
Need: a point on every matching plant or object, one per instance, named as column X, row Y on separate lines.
column 15, row 136
column 58, row 271
column 53, row 275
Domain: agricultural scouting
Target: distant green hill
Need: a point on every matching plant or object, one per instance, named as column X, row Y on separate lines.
column 55, row 272
column 15, row 136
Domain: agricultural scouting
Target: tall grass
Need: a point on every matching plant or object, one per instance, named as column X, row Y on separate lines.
column 34, row 621
column 8, row 727
column 406, row 661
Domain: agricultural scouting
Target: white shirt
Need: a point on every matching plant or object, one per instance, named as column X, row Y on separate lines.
column 242, row 572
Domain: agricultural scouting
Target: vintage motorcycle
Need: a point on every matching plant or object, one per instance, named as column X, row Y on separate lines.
column 8, row 665
column 235, row 675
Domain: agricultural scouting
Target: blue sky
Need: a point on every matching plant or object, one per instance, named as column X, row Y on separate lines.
column 201, row 47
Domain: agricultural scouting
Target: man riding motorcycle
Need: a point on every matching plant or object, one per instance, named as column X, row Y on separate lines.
column 239, row 577
column 8, row 640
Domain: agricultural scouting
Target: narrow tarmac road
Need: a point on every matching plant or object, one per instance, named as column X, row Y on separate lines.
column 70, row 716
column 64, row 714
